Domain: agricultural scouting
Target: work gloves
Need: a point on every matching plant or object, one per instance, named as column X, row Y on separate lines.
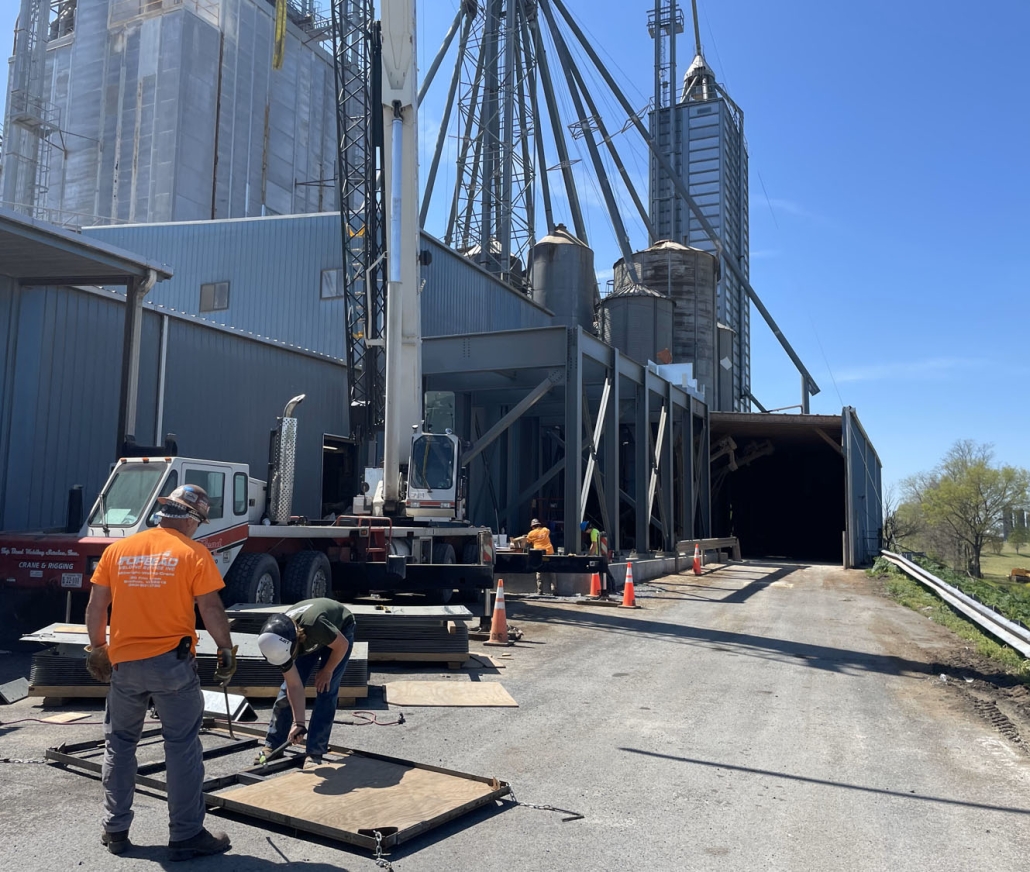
column 98, row 664
column 226, row 665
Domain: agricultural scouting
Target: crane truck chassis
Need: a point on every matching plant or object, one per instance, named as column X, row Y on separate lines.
column 346, row 556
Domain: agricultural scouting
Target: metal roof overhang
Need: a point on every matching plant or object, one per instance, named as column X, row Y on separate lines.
column 37, row 253
column 788, row 428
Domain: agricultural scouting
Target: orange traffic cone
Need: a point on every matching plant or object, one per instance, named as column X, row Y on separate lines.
column 595, row 585
column 629, row 597
column 697, row 558
column 499, row 625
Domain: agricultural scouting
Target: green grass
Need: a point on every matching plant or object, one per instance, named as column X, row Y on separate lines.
column 998, row 566
column 913, row 595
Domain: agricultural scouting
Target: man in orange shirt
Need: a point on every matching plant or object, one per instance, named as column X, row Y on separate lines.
column 539, row 538
column 151, row 581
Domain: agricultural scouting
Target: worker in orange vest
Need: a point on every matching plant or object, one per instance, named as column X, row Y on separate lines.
column 539, row 538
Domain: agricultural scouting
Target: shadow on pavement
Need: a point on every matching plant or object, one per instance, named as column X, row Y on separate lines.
column 805, row 780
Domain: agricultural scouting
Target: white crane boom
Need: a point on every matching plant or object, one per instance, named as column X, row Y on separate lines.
column 403, row 315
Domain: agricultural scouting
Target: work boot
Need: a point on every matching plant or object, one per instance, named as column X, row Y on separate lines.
column 116, row 843
column 312, row 761
column 202, row 844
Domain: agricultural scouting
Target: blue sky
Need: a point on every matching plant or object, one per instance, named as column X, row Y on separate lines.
column 889, row 188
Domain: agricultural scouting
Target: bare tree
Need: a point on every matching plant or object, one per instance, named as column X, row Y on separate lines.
column 900, row 520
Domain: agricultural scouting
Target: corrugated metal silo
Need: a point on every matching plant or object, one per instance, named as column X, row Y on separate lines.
column 638, row 321
column 563, row 280
column 688, row 277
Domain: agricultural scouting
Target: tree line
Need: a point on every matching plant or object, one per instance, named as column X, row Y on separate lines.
column 963, row 506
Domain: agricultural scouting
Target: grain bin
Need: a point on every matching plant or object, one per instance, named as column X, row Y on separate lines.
column 563, row 280
column 638, row 321
column 688, row 277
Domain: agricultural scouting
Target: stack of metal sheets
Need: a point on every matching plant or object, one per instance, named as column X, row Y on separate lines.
column 393, row 633
column 60, row 670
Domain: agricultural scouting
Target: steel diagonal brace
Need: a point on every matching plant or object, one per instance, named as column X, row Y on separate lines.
column 555, row 377
column 656, row 463
column 592, row 470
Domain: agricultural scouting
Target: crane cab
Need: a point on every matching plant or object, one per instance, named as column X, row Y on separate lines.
column 434, row 476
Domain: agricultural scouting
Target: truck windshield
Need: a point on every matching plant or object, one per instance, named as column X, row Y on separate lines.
column 129, row 494
column 432, row 463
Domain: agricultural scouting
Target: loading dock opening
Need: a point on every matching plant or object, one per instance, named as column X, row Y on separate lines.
column 797, row 487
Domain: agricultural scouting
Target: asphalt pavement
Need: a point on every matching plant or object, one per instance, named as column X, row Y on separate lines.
column 762, row 717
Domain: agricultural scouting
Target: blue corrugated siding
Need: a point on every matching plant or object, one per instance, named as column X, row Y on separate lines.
column 274, row 266
column 63, row 405
column 458, row 298
column 222, row 395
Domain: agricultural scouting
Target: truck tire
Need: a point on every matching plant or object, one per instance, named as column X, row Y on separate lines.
column 308, row 575
column 443, row 553
column 253, row 578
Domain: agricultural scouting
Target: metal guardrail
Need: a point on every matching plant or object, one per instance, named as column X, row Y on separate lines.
column 1012, row 634
column 685, row 547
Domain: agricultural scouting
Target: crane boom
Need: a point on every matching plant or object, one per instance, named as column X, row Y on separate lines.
column 403, row 316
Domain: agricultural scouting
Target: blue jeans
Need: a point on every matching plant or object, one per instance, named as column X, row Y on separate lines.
column 175, row 689
column 323, row 712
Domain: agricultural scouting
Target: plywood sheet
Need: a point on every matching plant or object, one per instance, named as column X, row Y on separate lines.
column 447, row 693
column 358, row 794
column 65, row 717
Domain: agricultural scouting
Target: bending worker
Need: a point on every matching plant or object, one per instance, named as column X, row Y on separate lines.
column 591, row 530
column 151, row 581
column 539, row 538
column 314, row 631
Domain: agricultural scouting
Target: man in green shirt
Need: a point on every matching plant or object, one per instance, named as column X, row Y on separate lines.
column 595, row 537
column 315, row 631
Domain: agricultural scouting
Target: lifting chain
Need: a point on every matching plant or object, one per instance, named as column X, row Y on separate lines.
column 572, row 815
column 381, row 861
column 17, row 760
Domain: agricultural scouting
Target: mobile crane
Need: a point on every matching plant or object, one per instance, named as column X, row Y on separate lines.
column 410, row 535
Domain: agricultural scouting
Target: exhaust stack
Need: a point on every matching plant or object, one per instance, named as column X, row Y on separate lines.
column 282, row 463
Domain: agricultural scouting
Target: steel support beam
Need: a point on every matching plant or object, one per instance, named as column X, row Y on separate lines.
column 573, row 434
column 641, row 466
column 593, row 473
column 530, row 400
column 128, row 394
column 667, row 473
column 612, row 473
column 655, row 450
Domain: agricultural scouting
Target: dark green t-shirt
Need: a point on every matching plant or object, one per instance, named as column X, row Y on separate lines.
column 322, row 620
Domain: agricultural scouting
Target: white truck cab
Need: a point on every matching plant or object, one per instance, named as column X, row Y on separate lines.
column 128, row 502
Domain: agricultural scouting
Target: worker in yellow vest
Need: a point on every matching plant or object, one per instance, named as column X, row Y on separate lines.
column 595, row 537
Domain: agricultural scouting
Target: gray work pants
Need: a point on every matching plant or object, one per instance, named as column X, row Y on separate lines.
column 545, row 583
column 175, row 689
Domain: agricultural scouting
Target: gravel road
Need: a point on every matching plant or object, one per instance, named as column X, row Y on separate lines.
column 765, row 716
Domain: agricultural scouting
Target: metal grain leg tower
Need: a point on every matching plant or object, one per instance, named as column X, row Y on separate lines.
column 520, row 64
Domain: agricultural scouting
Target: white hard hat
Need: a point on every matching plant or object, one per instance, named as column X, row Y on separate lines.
column 277, row 640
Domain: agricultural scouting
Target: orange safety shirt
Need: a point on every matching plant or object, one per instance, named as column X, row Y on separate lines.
column 540, row 538
column 154, row 577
